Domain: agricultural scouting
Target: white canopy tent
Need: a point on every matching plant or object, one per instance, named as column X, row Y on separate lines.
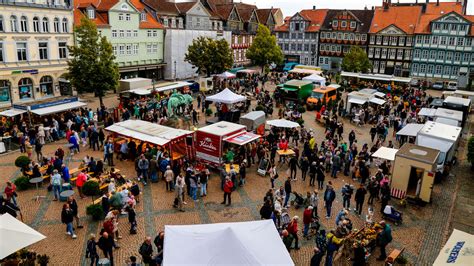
column 227, row 75
column 12, row 112
column 243, row 243
column 457, row 250
column 429, row 112
column 15, row 235
column 377, row 101
column 316, row 79
column 410, row 130
column 58, row 108
column 282, row 123
column 171, row 86
column 253, row 119
column 385, row 153
column 226, row 96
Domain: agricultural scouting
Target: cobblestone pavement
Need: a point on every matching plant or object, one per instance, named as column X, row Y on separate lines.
column 422, row 233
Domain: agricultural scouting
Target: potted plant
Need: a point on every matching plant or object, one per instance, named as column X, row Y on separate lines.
column 91, row 188
column 22, row 162
column 470, row 152
column 95, row 211
column 208, row 112
column 43, row 260
column 22, row 183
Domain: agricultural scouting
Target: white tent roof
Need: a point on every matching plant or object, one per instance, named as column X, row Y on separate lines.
column 12, row 112
column 385, row 153
column 282, row 123
column 357, row 101
column 222, row 128
column 171, row 86
column 141, row 91
column 315, row 78
column 457, row 251
column 227, row 75
column 427, row 112
column 254, row 115
column 377, row 101
column 448, row 113
column 446, row 121
column 146, row 131
column 15, row 235
column 440, row 131
column 243, row 243
column 226, row 96
column 457, row 100
column 410, row 130
column 58, row 108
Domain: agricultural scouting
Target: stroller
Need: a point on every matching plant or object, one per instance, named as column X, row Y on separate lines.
column 299, row 200
column 390, row 213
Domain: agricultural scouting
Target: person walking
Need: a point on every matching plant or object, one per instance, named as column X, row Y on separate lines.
column 56, row 184
column 293, row 230
column 75, row 209
column 132, row 220
column 384, row 237
column 179, row 191
column 273, row 174
column 360, row 198
column 80, row 181
column 347, row 192
column 321, row 176
column 38, row 150
column 287, row 191
column 373, row 190
column 67, row 217
column 143, row 165
column 91, row 250
column 146, row 251
column 307, row 220
column 329, row 196
column 169, row 178
column 106, row 244
column 313, row 170
column 228, row 185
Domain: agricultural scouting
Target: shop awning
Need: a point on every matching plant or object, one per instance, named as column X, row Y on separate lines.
column 58, row 108
column 377, row 101
column 457, row 250
column 289, row 89
column 242, row 138
column 357, row 101
column 379, row 94
column 385, row 153
column 140, row 91
column 171, row 86
column 12, row 112
column 410, row 130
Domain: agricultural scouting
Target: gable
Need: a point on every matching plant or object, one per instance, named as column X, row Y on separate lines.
column 393, row 30
column 271, row 20
column 297, row 17
column 198, row 10
column 253, row 17
column 124, row 6
column 452, row 17
column 346, row 15
column 234, row 15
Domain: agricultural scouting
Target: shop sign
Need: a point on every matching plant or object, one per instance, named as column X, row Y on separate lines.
column 44, row 105
column 208, row 144
column 455, row 252
column 28, row 71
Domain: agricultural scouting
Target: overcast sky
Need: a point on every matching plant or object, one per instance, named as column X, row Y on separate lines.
column 290, row 7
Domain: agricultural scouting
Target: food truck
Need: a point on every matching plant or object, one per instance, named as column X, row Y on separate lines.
column 296, row 90
column 210, row 140
column 254, row 121
column 414, row 172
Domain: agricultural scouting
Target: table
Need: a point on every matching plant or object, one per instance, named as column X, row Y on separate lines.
column 284, row 154
column 65, row 194
column 42, row 170
column 236, row 168
column 36, row 181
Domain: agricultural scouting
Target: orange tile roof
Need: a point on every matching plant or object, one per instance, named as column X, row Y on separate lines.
column 283, row 27
column 433, row 12
column 138, row 5
column 403, row 17
column 316, row 17
column 100, row 20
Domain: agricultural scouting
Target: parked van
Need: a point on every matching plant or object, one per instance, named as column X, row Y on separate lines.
column 452, row 85
column 323, row 94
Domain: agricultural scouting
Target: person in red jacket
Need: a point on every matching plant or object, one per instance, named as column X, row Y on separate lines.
column 307, row 219
column 293, row 230
column 228, row 186
column 10, row 192
column 81, row 179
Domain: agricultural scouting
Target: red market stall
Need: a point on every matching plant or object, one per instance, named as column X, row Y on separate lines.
column 210, row 140
column 177, row 142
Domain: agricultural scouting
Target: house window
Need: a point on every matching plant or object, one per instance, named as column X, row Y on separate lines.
column 465, row 57
column 129, row 49
column 198, row 22
column 440, row 55
column 400, row 53
column 287, row 46
column 433, row 55
column 392, row 53
column 382, row 66
column 135, row 48
column 2, row 59
column 43, row 50
column 121, row 33
column 91, row 13
column 426, row 39
column 460, row 41
column 376, row 66
column 393, row 40
column 435, row 39
column 385, row 40
column 424, row 54
column 321, row 60
column 457, row 56
column 468, row 42
column 438, row 69
column 455, row 71
column 45, row 25
column 419, row 39
column 454, row 27
column 401, row 41
column 430, row 69
column 36, row 24
column 2, row 27
column 143, row 16
column 353, row 24
column 23, row 24
column 416, row 54
column 121, row 49
column 334, row 23
column 65, row 25
column 129, row 33
column 423, row 68
column 114, row 48
column 293, row 46
column 442, row 40
column 62, row 50
column 415, row 67
column 339, row 36
column 377, row 52
column 437, row 26
column 384, row 53
column 445, row 26
column 379, row 39
column 120, row 16
column 21, row 51
column 409, row 41
column 13, row 24
column 300, row 47
column 127, row 17
column 372, row 38
column 135, row 33
column 346, row 36
column 449, row 56
column 451, row 40
column 371, row 52
column 114, row 33
column 462, row 27
column 25, row 87
column 343, row 24
column 56, row 24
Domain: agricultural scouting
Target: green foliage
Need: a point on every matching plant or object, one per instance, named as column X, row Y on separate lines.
column 300, row 121
column 259, row 108
column 95, row 211
column 92, row 67
column 209, row 56
column 264, row 49
column 470, row 150
column 91, row 188
column 301, row 109
column 208, row 111
column 22, row 161
column 356, row 60
column 22, row 183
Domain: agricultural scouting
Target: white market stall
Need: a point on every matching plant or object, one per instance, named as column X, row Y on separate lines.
column 448, row 116
column 457, row 251
column 15, row 235
column 226, row 75
column 243, row 243
column 253, row 120
column 227, row 97
column 177, row 141
column 409, row 132
column 12, row 112
column 385, row 153
column 282, row 123
column 428, row 112
column 316, row 79
column 361, row 98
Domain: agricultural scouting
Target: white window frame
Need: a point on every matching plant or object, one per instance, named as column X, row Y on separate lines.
column 65, row 25
column 25, row 49
column 43, row 51
column 91, row 13
column 23, row 24
column 353, row 24
column 62, row 49
column 120, row 16
column 114, row 33
column 56, row 25
column 36, row 24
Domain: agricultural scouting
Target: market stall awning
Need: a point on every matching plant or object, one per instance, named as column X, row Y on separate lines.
column 357, row 101
column 140, row 91
column 385, row 153
column 282, row 123
column 242, row 138
column 171, row 86
column 377, row 101
column 15, row 235
column 58, row 108
column 427, row 112
column 226, row 96
column 226, row 75
column 457, row 250
column 379, row 94
column 247, row 71
column 12, row 112
column 410, row 130
column 146, row 131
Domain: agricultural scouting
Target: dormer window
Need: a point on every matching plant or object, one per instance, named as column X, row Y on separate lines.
column 353, row 24
column 343, row 24
column 335, row 23
column 91, row 13
column 143, row 16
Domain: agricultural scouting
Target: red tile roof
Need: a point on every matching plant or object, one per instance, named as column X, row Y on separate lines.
column 185, row 6
column 315, row 16
column 263, row 15
column 101, row 18
column 403, row 17
column 223, row 11
column 435, row 11
column 163, row 7
column 245, row 11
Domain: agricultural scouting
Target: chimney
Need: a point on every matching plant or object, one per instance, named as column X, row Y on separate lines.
column 385, row 6
column 437, row 2
column 423, row 8
column 314, row 7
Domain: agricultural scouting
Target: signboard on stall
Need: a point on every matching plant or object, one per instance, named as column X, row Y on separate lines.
column 46, row 104
column 208, row 147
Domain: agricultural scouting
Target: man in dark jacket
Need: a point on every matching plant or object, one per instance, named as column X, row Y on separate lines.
column 287, row 191
column 293, row 166
column 359, row 198
column 313, row 169
column 106, row 244
column 146, row 250
column 329, row 196
column 317, row 257
column 383, row 239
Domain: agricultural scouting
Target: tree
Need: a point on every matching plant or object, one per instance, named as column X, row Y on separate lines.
column 356, row 60
column 92, row 67
column 209, row 56
column 264, row 49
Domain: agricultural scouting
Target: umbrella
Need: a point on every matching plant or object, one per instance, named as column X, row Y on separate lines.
column 16, row 235
column 282, row 123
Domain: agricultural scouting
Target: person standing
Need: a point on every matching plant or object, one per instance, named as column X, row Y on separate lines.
column 329, row 196
column 203, row 179
column 91, row 250
column 146, row 250
column 10, row 192
column 273, row 174
column 38, row 150
column 106, row 244
column 347, row 192
column 56, row 184
column 336, row 164
column 143, row 166
column 293, row 166
column 153, row 169
column 385, row 191
column 307, row 219
column 384, row 237
column 80, row 181
column 313, row 169
column 293, row 230
column 67, row 217
column 179, row 188
column 287, row 191
column 359, row 198
column 132, row 220
column 304, row 166
column 109, row 153
column 228, row 186
column 321, row 176
column 169, row 178
column 373, row 190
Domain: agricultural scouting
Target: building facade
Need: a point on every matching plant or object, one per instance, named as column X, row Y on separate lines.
column 298, row 36
column 33, row 49
column 136, row 36
column 444, row 45
column 391, row 38
column 341, row 30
